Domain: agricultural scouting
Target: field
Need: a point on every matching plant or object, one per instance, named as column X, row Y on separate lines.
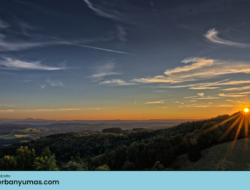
column 9, row 136
column 22, row 136
column 239, row 156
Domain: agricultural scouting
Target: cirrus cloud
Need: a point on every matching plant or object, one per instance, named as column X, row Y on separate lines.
column 14, row 64
column 212, row 35
column 199, row 68
column 116, row 82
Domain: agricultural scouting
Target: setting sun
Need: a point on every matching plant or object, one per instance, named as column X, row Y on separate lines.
column 246, row 110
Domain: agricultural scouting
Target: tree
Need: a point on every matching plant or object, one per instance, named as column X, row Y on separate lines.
column 25, row 159
column 133, row 152
column 128, row 166
column 120, row 157
column 46, row 152
column 158, row 166
column 116, row 130
column 159, row 149
column 45, row 162
column 8, row 163
column 103, row 168
column 72, row 166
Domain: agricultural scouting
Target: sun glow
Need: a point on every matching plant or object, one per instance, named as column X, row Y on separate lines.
column 246, row 110
column 240, row 123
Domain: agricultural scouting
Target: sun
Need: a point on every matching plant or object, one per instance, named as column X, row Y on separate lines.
column 246, row 110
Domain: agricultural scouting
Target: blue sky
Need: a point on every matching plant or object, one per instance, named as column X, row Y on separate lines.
column 126, row 59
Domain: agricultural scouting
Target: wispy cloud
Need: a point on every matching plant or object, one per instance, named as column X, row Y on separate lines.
column 212, row 35
column 239, row 102
column 156, row 102
column 16, row 46
column 194, row 106
column 6, row 111
column 26, row 80
column 199, row 97
column 51, row 110
column 14, row 64
column 3, row 24
column 207, row 98
column 63, row 109
column 203, row 88
column 164, row 107
column 43, row 86
column 6, row 105
column 226, row 105
column 200, row 94
column 238, row 89
column 192, row 101
column 34, row 41
column 209, row 85
column 98, row 11
column 97, row 48
column 121, row 33
column 117, row 82
column 103, row 71
column 200, row 68
column 206, row 106
column 54, row 82
column 231, row 95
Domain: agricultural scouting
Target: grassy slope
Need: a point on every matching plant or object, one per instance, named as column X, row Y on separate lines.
column 240, row 156
column 9, row 136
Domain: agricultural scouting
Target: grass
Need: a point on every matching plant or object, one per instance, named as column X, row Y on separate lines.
column 211, row 157
column 9, row 136
column 25, row 130
column 21, row 136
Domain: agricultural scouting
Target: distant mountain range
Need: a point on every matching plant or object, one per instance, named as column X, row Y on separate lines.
column 32, row 121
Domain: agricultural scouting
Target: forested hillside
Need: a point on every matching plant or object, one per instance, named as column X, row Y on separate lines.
column 115, row 149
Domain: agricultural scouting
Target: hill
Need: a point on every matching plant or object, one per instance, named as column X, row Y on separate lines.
column 136, row 149
column 239, row 156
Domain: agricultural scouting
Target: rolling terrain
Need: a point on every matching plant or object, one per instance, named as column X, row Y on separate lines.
column 236, row 153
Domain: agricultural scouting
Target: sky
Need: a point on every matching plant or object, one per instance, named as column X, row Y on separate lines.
column 126, row 59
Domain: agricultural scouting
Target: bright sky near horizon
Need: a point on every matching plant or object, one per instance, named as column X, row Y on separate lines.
column 126, row 59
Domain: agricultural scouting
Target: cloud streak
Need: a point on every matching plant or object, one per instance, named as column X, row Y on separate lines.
column 14, row 64
column 97, row 48
column 209, row 85
column 103, row 71
column 57, row 110
column 54, row 82
column 238, row 89
column 6, row 111
column 156, row 102
column 231, row 95
column 98, row 11
column 198, row 68
column 116, row 82
column 212, row 35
